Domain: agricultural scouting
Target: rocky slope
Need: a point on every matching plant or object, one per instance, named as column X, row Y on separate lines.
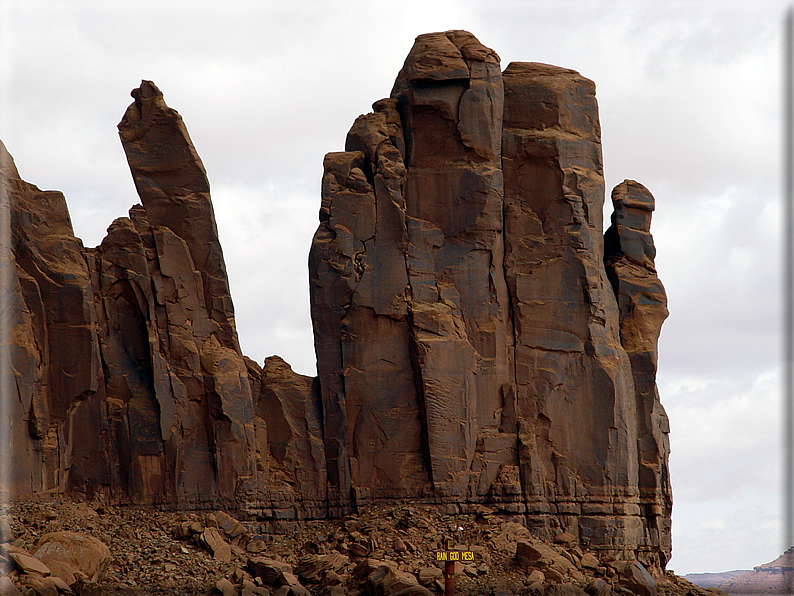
column 380, row 551
column 479, row 342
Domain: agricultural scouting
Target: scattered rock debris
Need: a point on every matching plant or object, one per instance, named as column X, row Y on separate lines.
column 63, row 546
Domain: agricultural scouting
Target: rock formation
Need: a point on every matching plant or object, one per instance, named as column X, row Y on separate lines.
column 471, row 344
column 775, row 577
column 128, row 379
column 478, row 341
column 51, row 365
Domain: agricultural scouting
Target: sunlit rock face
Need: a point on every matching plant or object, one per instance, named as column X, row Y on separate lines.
column 471, row 346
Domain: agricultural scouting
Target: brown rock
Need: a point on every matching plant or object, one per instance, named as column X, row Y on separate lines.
column 55, row 354
column 269, row 570
column 225, row 587
column 64, row 571
column 538, row 555
column 7, row 587
column 366, row 567
column 289, row 408
column 590, row 561
column 565, row 538
column 289, row 580
column 479, row 343
column 598, row 587
column 27, row 563
column 41, row 586
column 565, row 589
column 536, row 577
column 638, row 580
column 221, row 550
column 629, row 255
column 255, row 546
column 232, row 528
column 153, row 301
column 178, row 231
column 457, row 279
column 388, row 581
column 86, row 554
column 427, row 575
column 313, row 568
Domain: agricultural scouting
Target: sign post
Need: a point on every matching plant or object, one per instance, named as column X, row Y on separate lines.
column 450, row 556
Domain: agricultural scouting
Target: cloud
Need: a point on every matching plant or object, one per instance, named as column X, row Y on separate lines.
column 725, row 535
column 725, row 434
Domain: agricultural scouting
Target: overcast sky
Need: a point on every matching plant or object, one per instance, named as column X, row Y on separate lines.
column 689, row 96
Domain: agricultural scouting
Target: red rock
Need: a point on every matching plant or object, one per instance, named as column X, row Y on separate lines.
column 288, row 406
column 388, row 581
column 225, row 587
column 211, row 538
column 7, row 587
column 269, row 570
column 41, row 586
column 86, row 554
column 55, row 353
column 27, row 563
column 469, row 341
column 639, row 580
column 478, row 341
column 629, row 259
column 312, row 568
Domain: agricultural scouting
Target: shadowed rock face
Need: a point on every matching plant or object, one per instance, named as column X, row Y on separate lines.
column 52, row 366
column 477, row 339
column 470, row 347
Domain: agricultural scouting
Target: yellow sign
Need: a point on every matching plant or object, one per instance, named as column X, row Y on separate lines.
column 454, row 555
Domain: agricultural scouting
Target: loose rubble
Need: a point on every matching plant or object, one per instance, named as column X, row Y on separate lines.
column 63, row 546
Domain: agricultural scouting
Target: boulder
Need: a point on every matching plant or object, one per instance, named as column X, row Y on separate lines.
column 638, row 580
column 7, row 587
column 313, row 568
column 213, row 541
column 388, row 581
column 86, row 555
column 268, row 570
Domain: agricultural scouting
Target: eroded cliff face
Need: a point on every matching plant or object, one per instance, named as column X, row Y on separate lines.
column 470, row 345
column 124, row 372
column 478, row 342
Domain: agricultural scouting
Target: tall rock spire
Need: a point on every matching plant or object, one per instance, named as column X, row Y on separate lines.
column 469, row 342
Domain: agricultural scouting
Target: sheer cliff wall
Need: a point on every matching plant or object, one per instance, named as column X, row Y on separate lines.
column 474, row 342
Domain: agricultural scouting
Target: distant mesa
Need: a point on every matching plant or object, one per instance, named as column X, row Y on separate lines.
column 775, row 577
column 478, row 340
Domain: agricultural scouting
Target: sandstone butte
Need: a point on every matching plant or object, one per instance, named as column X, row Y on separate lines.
column 478, row 340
